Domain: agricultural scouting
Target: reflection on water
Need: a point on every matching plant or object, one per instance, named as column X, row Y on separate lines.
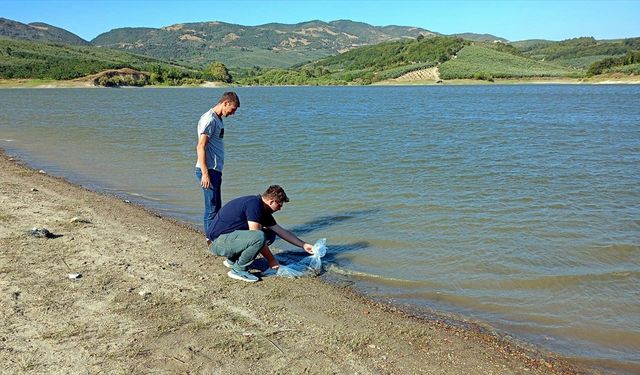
column 514, row 205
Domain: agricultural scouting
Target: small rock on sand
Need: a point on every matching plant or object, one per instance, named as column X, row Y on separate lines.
column 79, row 220
column 144, row 294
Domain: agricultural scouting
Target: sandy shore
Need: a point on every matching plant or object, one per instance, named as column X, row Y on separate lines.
column 151, row 299
column 606, row 80
column 76, row 83
column 616, row 79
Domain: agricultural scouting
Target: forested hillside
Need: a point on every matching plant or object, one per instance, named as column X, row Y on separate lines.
column 577, row 52
column 38, row 31
column 25, row 59
column 486, row 63
column 309, row 53
column 237, row 46
column 627, row 64
column 366, row 65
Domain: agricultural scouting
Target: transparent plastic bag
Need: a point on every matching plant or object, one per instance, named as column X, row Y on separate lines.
column 307, row 266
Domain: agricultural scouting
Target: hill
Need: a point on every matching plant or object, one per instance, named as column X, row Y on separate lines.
column 38, row 31
column 27, row 59
column 394, row 54
column 483, row 62
column 479, row 37
column 366, row 65
column 432, row 59
column 627, row 64
column 576, row 52
column 314, row 52
column 237, row 46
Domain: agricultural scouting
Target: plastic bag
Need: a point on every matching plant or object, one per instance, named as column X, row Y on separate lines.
column 307, row 266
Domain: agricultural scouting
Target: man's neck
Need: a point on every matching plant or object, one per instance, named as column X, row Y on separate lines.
column 217, row 109
column 265, row 205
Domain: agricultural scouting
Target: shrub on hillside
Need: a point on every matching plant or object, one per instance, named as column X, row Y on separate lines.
column 610, row 63
column 483, row 76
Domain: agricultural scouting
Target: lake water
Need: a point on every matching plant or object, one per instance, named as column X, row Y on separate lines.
column 518, row 206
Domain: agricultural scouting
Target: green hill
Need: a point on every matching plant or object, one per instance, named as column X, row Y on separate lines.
column 481, row 62
column 237, row 46
column 479, row 37
column 577, row 52
column 26, row 59
column 390, row 55
column 38, row 31
column 627, row 64
column 366, row 64
column 314, row 52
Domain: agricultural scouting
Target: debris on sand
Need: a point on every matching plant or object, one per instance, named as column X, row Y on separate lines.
column 76, row 219
column 43, row 233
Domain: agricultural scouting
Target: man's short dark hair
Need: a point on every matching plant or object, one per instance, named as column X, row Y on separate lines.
column 231, row 97
column 276, row 192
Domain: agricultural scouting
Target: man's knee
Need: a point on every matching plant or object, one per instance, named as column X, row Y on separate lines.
column 260, row 238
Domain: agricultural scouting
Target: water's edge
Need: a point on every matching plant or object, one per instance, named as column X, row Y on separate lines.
column 450, row 321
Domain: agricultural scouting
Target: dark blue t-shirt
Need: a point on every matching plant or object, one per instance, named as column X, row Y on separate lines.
column 235, row 214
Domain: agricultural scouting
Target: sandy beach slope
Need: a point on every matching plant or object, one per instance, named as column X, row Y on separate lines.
column 150, row 299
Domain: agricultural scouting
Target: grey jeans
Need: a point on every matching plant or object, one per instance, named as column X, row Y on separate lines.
column 241, row 246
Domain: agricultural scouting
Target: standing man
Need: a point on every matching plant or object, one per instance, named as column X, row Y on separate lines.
column 245, row 227
column 210, row 151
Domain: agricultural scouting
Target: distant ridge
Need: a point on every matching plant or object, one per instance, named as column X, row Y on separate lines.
column 39, row 32
column 313, row 52
column 273, row 44
column 480, row 37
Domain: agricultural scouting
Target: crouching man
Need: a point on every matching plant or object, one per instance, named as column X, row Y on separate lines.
column 245, row 227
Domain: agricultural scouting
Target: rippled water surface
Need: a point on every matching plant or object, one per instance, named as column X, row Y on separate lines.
column 512, row 205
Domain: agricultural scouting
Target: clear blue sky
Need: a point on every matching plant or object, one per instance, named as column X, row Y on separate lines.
column 513, row 20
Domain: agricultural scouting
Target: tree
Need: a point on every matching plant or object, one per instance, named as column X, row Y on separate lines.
column 218, row 72
column 157, row 74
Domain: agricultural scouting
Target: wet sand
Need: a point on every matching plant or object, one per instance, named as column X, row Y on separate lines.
column 150, row 298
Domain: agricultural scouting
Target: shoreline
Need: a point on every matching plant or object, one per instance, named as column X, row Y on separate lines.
column 604, row 80
column 598, row 80
column 151, row 298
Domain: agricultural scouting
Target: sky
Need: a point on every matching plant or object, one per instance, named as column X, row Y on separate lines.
column 513, row 20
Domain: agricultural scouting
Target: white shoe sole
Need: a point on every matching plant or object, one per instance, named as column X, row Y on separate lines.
column 233, row 275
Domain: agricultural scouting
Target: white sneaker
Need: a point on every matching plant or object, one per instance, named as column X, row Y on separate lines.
column 242, row 275
column 227, row 263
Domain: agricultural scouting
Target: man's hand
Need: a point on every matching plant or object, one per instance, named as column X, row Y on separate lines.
column 205, row 182
column 308, row 248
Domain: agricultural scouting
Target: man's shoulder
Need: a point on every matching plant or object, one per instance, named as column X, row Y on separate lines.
column 206, row 115
column 245, row 200
column 251, row 199
column 208, row 118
